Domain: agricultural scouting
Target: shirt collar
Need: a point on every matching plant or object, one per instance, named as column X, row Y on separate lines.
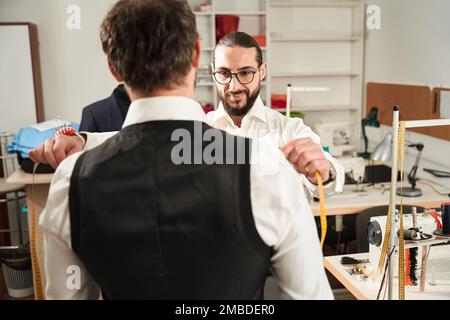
column 256, row 111
column 163, row 108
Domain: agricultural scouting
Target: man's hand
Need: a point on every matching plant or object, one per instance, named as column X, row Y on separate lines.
column 307, row 158
column 56, row 149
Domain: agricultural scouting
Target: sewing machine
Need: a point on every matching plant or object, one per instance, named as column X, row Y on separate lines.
column 426, row 225
column 354, row 167
column 337, row 136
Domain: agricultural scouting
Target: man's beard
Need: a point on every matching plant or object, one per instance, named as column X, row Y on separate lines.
column 251, row 98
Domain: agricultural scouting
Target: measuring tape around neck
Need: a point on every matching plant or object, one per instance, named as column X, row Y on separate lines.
column 39, row 294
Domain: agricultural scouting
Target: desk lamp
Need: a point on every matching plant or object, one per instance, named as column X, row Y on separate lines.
column 383, row 152
column 370, row 121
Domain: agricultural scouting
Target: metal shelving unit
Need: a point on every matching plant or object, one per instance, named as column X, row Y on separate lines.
column 320, row 43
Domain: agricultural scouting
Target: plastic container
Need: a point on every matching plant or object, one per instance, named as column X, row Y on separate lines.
column 226, row 24
column 261, row 40
column 278, row 101
column 17, row 271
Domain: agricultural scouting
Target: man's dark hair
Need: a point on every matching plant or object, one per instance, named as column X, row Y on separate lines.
column 240, row 39
column 150, row 43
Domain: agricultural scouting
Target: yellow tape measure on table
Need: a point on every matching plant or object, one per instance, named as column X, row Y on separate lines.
column 39, row 294
column 323, row 216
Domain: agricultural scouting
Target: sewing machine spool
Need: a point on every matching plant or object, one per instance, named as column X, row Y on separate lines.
column 445, row 231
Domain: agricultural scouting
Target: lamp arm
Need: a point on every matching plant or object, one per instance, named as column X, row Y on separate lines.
column 412, row 174
column 366, row 140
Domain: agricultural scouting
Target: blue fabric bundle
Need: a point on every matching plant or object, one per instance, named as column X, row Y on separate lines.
column 30, row 137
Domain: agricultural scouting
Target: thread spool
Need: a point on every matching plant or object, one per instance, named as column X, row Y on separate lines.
column 445, row 206
column 445, row 231
column 409, row 234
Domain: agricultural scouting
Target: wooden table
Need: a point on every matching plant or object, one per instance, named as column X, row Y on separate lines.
column 367, row 290
column 350, row 202
column 36, row 199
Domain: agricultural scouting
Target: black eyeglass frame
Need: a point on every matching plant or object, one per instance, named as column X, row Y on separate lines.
column 236, row 74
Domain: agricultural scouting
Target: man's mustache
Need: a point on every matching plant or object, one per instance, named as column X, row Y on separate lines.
column 230, row 92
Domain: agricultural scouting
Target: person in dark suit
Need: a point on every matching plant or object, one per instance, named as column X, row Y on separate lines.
column 107, row 114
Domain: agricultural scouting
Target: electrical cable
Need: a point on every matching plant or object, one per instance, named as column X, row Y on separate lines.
column 338, row 242
column 384, row 274
column 430, row 184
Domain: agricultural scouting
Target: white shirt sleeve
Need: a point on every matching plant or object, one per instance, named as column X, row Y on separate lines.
column 66, row 276
column 299, row 130
column 95, row 139
column 285, row 222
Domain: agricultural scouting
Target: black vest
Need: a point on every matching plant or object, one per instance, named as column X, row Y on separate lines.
column 146, row 228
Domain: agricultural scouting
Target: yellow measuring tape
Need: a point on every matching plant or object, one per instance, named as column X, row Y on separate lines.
column 401, row 238
column 39, row 294
column 383, row 256
column 323, row 216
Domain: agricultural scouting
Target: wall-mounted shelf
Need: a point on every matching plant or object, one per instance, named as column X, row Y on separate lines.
column 314, row 74
column 199, row 13
column 320, row 108
column 330, row 4
column 320, row 43
column 242, row 13
column 316, row 39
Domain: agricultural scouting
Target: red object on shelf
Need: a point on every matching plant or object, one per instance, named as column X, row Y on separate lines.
column 205, row 7
column 226, row 24
column 208, row 107
column 261, row 40
column 278, row 101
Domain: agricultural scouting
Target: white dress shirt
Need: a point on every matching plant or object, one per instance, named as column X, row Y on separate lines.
column 271, row 126
column 281, row 213
column 266, row 125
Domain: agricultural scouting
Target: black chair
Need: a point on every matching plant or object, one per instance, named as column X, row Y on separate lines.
column 336, row 238
column 363, row 219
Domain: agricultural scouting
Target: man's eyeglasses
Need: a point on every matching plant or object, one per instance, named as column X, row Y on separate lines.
column 244, row 76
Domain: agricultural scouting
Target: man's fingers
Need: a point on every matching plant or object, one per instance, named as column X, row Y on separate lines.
column 309, row 156
column 48, row 152
column 37, row 154
column 287, row 148
column 321, row 166
column 300, row 152
column 71, row 151
column 60, row 149
column 298, row 144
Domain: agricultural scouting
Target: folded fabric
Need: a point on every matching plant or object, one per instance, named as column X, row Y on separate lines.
column 32, row 136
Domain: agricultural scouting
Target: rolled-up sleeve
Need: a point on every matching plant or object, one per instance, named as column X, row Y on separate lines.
column 298, row 129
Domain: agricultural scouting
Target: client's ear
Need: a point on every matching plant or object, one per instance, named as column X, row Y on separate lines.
column 114, row 72
column 196, row 56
